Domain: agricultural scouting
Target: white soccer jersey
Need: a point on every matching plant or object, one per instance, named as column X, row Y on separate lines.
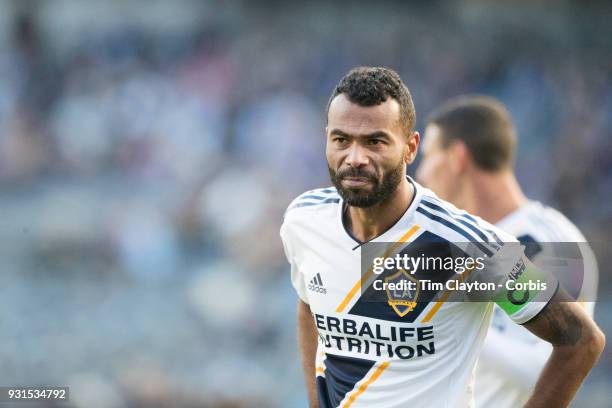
column 372, row 354
column 512, row 357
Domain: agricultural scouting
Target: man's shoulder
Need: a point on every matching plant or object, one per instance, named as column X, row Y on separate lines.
column 543, row 223
column 446, row 216
column 313, row 201
column 313, row 210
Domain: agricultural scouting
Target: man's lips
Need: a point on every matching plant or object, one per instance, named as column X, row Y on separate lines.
column 356, row 181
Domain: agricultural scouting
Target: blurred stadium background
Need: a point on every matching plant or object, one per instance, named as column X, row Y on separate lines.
column 148, row 150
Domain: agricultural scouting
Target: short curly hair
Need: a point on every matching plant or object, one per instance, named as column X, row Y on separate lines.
column 370, row 86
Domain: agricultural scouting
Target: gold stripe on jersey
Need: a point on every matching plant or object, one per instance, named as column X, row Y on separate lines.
column 365, row 385
column 367, row 275
column 444, row 297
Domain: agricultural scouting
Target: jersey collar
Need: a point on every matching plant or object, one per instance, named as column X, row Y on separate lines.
column 395, row 230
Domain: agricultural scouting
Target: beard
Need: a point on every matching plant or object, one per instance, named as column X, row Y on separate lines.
column 381, row 190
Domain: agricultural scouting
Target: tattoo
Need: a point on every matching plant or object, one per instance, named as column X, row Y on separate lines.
column 564, row 328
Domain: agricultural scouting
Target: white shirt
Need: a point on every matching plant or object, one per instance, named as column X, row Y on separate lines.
column 512, row 357
column 372, row 354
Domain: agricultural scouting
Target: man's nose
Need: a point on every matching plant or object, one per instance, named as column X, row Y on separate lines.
column 357, row 157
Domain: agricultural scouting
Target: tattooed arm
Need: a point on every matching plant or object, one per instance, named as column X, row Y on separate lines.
column 577, row 343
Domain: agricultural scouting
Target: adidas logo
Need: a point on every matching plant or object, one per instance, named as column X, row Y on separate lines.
column 316, row 284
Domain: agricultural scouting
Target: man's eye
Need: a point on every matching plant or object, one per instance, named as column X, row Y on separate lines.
column 340, row 140
column 375, row 142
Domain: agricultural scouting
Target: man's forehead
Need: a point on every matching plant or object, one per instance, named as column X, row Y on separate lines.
column 345, row 114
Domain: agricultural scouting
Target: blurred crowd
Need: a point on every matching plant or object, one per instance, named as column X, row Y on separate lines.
column 148, row 151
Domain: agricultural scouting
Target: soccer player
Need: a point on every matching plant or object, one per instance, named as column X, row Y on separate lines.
column 417, row 350
column 468, row 156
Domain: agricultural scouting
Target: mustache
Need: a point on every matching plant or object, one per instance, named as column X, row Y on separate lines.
column 356, row 172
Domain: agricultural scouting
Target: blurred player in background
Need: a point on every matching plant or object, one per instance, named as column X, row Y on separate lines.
column 352, row 355
column 468, row 157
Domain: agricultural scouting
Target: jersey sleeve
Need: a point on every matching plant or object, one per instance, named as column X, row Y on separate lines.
column 525, row 289
column 297, row 278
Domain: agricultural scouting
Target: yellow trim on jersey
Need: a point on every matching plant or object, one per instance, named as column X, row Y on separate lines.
column 444, row 297
column 365, row 385
column 436, row 307
column 320, row 370
column 367, row 275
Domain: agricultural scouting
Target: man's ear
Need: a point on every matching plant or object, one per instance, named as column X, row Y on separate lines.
column 459, row 156
column 412, row 146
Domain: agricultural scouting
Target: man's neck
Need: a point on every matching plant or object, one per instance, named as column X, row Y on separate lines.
column 368, row 223
column 493, row 196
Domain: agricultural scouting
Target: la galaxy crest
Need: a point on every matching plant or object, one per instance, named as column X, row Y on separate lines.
column 402, row 300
